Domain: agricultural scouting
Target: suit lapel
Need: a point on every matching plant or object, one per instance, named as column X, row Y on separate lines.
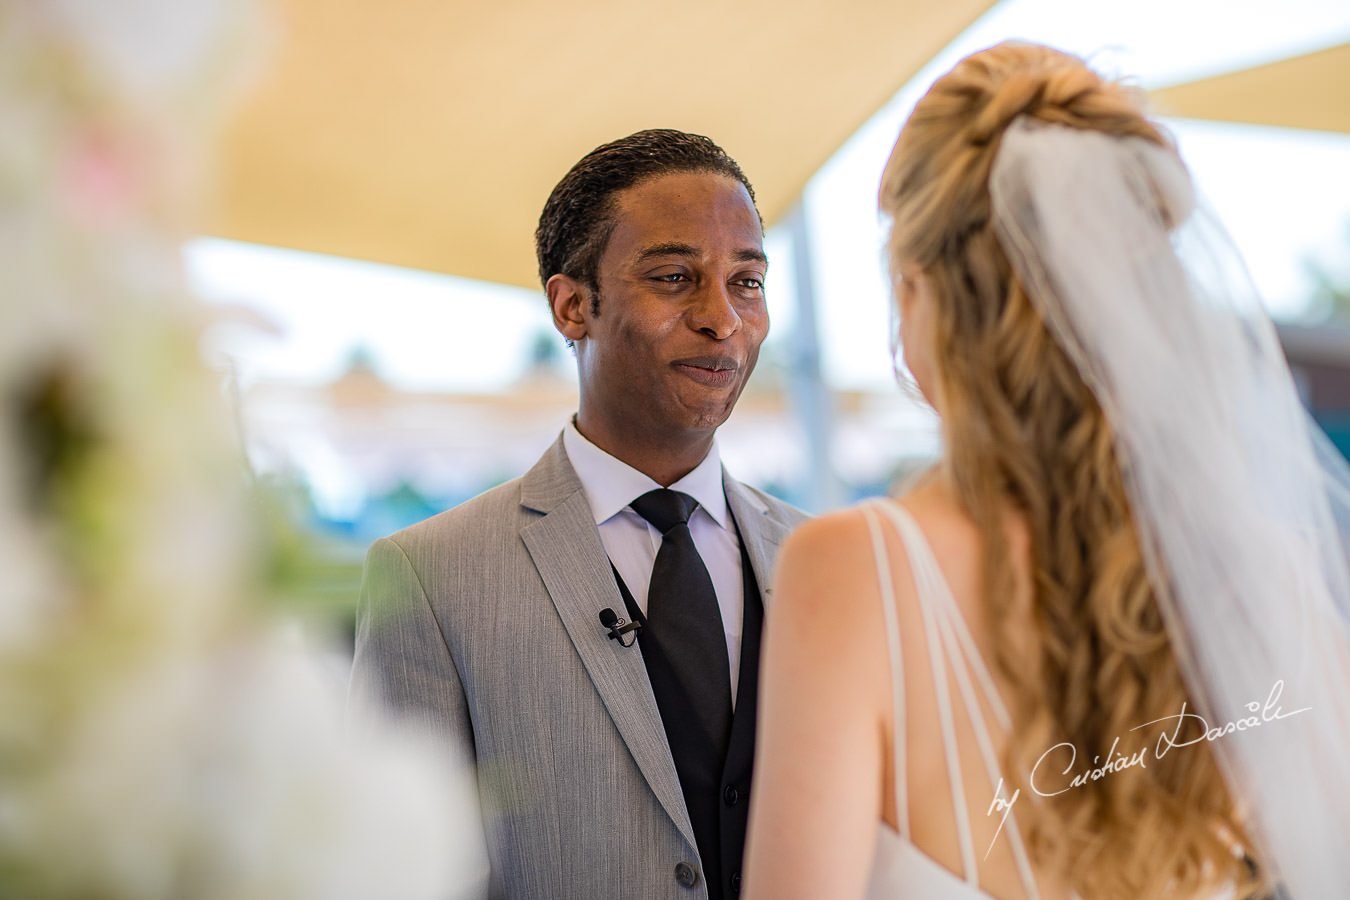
column 565, row 547
column 761, row 531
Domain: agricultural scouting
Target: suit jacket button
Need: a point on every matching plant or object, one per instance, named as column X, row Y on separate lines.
column 731, row 795
column 736, row 884
column 686, row 874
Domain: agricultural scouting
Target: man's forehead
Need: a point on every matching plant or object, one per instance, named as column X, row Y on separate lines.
column 687, row 214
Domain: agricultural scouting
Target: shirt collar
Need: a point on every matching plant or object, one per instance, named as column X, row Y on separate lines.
column 611, row 484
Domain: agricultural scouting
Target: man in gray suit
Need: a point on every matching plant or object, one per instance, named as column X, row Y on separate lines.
column 610, row 762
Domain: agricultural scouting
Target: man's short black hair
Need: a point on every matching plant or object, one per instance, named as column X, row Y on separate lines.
column 578, row 217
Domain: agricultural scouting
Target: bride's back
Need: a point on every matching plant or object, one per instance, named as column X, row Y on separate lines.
column 933, row 822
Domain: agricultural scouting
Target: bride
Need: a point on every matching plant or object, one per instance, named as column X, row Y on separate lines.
column 1099, row 649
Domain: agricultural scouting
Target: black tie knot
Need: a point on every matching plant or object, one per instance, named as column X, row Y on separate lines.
column 665, row 508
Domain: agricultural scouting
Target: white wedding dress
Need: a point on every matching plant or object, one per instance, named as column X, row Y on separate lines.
column 899, row 868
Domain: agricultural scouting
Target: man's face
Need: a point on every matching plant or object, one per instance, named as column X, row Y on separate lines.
column 681, row 311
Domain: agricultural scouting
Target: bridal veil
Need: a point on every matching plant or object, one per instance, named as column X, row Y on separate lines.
column 1242, row 505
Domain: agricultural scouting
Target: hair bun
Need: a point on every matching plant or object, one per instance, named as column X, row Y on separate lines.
column 1020, row 93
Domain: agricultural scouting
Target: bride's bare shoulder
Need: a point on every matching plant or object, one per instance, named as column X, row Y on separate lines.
column 827, row 568
column 829, row 564
column 824, row 627
column 829, row 546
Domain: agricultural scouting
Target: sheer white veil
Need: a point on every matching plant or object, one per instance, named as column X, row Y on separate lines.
column 1242, row 505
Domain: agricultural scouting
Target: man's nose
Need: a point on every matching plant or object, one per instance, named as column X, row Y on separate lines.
column 714, row 311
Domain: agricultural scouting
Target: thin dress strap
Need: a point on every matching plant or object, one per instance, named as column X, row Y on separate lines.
column 948, row 638
column 887, row 583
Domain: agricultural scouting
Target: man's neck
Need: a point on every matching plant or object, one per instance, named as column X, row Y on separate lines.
column 664, row 461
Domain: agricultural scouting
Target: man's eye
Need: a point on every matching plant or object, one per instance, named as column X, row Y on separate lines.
column 754, row 284
column 672, row 277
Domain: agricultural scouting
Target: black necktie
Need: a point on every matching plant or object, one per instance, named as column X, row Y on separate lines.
column 684, row 645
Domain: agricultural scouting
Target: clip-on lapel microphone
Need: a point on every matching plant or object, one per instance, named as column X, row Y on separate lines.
column 619, row 627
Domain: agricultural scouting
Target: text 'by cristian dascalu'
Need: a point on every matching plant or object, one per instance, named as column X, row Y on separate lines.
column 1060, row 760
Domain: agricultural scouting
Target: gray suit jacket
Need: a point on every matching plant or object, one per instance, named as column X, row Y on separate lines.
column 482, row 623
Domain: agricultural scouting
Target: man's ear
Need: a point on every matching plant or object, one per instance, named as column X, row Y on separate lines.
column 567, row 299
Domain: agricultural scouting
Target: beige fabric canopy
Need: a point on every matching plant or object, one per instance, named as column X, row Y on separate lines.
column 427, row 133
column 1310, row 91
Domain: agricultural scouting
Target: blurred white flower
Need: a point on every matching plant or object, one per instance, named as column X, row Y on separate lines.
column 158, row 739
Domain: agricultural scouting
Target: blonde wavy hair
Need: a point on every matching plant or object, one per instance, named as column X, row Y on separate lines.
column 1022, row 430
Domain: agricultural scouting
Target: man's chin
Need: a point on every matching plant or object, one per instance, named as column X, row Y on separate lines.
column 710, row 416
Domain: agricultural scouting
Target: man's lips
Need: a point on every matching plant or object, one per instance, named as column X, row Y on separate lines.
column 713, row 371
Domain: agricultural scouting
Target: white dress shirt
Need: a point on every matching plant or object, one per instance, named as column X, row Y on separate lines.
column 631, row 541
